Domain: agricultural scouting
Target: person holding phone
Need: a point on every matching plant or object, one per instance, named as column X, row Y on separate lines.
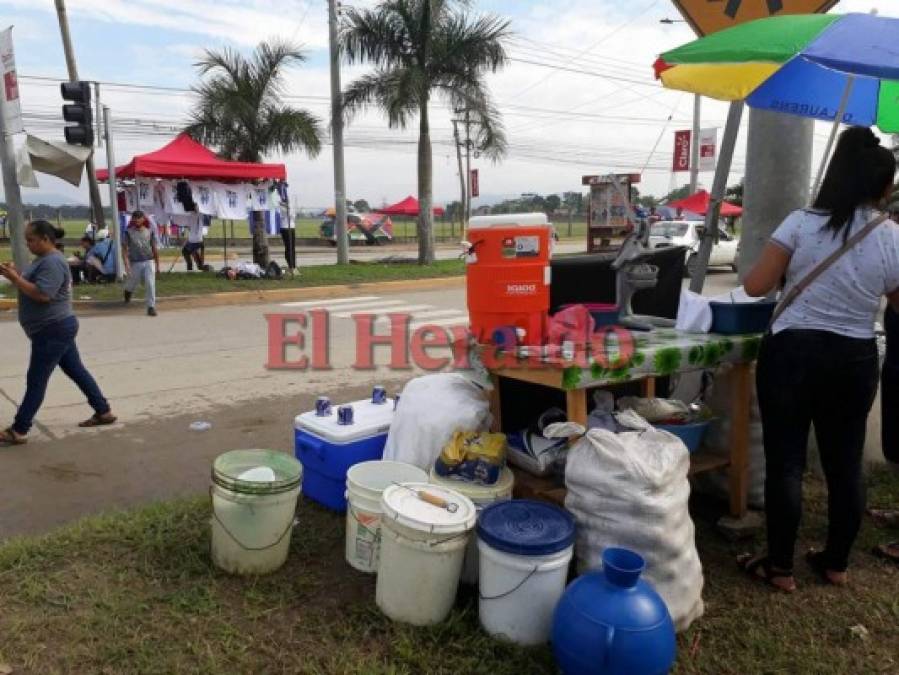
column 45, row 313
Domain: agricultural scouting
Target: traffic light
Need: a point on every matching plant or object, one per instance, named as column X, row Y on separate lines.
column 79, row 111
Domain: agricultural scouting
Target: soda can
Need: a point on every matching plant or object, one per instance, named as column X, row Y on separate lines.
column 379, row 395
column 345, row 415
column 322, row 406
column 396, row 401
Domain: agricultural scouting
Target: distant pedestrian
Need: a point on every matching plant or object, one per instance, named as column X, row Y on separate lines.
column 45, row 313
column 140, row 249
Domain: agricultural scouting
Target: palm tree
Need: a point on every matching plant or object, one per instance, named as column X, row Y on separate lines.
column 424, row 49
column 242, row 113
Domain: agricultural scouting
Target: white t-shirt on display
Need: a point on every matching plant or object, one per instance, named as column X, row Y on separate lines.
column 846, row 298
column 231, row 201
column 204, row 196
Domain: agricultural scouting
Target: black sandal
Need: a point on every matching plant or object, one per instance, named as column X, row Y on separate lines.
column 888, row 551
column 96, row 420
column 9, row 437
column 759, row 568
column 818, row 565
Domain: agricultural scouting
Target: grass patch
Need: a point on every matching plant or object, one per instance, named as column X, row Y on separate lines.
column 136, row 592
column 201, row 283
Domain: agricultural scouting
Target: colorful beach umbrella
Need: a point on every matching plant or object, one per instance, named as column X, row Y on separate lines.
column 798, row 64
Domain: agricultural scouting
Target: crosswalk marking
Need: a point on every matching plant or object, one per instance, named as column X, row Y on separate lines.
column 370, row 305
column 337, row 301
column 453, row 321
column 381, row 310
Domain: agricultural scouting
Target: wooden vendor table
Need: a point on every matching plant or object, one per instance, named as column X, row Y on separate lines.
column 660, row 353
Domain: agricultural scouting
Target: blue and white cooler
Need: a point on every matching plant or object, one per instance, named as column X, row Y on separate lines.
column 328, row 442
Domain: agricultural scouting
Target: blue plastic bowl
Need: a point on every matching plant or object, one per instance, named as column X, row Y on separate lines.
column 690, row 434
column 738, row 318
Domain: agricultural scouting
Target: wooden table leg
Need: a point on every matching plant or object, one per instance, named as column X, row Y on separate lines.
column 649, row 387
column 739, row 440
column 577, row 406
column 495, row 408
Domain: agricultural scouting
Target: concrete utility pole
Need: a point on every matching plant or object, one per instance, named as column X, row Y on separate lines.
column 467, row 168
column 343, row 253
column 694, row 144
column 778, row 176
column 463, row 183
column 115, row 231
column 96, row 204
column 13, row 197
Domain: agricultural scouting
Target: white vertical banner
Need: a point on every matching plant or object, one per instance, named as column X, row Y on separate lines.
column 12, row 109
column 708, row 149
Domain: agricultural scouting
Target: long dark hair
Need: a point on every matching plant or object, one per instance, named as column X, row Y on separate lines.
column 47, row 230
column 859, row 173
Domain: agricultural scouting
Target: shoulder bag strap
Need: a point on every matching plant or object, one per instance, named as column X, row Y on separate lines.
column 825, row 265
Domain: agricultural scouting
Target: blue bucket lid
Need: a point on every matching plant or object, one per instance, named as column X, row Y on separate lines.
column 525, row 527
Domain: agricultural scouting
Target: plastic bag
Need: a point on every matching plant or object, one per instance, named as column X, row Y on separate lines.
column 431, row 409
column 631, row 490
column 473, row 456
column 655, row 410
column 572, row 324
column 694, row 314
column 530, row 450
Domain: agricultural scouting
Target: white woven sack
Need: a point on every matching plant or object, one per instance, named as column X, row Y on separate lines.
column 630, row 490
column 431, row 409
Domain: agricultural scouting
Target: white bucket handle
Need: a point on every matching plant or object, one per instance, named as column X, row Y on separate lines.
column 240, row 543
column 508, row 593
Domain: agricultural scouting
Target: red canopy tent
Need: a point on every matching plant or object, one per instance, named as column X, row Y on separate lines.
column 407, row 207
column 699, row 203
column 185, row 158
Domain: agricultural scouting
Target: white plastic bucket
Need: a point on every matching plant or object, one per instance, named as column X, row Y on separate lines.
column 422, row 551
column 518, row 593
column 364, row 484
column 481, row 496
column 252, row 519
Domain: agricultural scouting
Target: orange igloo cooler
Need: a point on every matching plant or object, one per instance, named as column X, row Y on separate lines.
column 508, row 275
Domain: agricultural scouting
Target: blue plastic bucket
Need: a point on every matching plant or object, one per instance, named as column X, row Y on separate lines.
column 690, row 434
column 738, row 318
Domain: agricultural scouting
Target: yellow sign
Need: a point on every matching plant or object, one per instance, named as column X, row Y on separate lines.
column 710, row 16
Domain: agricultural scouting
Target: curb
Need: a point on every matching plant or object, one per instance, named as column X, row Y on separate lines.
column 261, row 296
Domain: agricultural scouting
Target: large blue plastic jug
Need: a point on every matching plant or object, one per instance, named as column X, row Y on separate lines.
column 613, row 623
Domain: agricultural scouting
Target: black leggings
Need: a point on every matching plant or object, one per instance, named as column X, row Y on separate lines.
column 288, row 236
column 807, row 376
column 889, row 389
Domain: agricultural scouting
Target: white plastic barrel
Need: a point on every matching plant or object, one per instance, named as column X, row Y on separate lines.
column 422, row 551
column 525, row 549
column 481, row 496
column 254, row 498
column 364, row 484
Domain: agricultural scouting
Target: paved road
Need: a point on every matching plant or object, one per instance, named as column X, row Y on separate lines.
column 162, row 374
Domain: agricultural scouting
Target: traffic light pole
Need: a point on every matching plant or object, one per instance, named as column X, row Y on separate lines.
column 14, row 212
column 96, row 203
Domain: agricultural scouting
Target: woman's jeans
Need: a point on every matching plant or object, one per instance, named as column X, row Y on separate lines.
column 52, row 346
column 806, row 377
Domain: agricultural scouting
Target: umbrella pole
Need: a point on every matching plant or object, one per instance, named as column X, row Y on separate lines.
column 837, row 121
column 722, row 171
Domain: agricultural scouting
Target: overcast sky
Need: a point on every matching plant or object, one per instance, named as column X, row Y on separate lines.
column 599, row 110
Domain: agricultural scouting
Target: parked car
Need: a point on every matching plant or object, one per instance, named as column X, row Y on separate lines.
column 688, row 233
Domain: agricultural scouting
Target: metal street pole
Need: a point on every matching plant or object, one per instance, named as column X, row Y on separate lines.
column 467, row 168
column 96, row 204
column 337, row 139
column 115, row 230
column 15, row 216
column 694, row 144
column 463, row 192
column 710, row 231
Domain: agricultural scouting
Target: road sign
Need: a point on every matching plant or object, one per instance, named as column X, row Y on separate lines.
column 710, row 16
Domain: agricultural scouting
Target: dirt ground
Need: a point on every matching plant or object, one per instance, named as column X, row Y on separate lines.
column 51, row 482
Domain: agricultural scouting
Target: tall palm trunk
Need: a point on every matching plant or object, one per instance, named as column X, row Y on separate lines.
column 425, row 189
column 260, row 239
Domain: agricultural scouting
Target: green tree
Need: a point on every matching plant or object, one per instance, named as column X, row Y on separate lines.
column 553, row 203
column 679, row 193
column 241, row 112
column 734, row 193
column 361, row 206
column 421, row 50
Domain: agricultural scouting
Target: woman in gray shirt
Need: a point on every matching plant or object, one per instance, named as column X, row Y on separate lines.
column 45, row 312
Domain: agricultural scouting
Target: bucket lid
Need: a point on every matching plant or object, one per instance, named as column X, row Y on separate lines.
column 228, row 468
column 479, row 494
column 525, row 527
column 379, row 474
column 400, row 503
